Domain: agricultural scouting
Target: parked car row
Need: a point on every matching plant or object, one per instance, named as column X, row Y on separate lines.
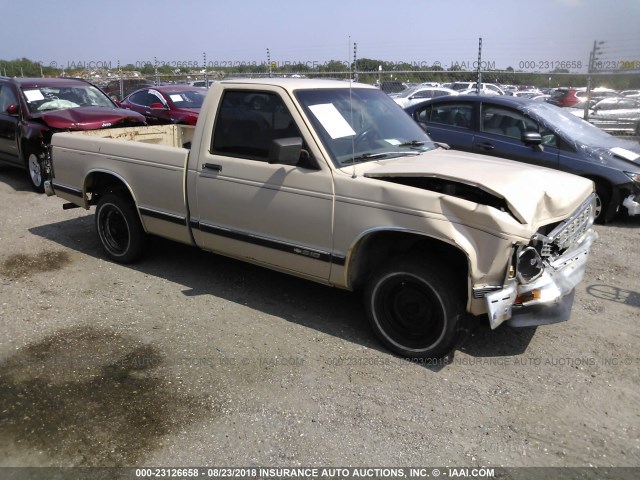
column 616, row 115
column 538, row 133
column 32, row 109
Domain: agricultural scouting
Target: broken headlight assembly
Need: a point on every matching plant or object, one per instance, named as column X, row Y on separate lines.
column 529, row 265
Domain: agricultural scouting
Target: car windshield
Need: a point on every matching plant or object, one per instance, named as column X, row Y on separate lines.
column 187, row 98
column 359, row 125
column 45, row 98
column 571, row 127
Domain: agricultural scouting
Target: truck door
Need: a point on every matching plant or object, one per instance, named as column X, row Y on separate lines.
column 273, row 214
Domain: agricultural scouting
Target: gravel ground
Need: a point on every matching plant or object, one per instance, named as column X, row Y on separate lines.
column 189, row 358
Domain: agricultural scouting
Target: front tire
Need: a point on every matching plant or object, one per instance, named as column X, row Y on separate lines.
column 36, row 171
column 119, row 228
column 414, row 309
column 603, row 212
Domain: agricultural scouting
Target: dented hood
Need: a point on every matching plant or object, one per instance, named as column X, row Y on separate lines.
column 534, row 194
column 89, row 118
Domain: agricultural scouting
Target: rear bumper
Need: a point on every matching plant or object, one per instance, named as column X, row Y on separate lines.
column 546, row 300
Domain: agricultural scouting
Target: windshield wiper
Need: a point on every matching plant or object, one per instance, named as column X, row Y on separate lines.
column 412, row 143
column 419, row 143
column 368, row 156
column 373, row 156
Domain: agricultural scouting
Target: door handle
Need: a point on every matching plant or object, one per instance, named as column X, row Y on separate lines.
column 485, row 146
column 212, row 166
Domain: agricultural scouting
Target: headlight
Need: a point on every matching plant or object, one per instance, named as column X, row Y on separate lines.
column 633, row 176
column 528, row 264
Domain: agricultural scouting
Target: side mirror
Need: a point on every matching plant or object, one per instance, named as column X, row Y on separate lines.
column 117, row 102
column 531, row 138
column 12, row 109
column 424, row 126
column 157, row 106
column 285, row 151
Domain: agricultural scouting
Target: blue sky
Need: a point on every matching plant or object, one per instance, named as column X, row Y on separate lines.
column 513, row 31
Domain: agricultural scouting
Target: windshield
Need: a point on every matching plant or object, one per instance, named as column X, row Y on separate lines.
column 571, row 127
column 187, row 98
column 359, row 125
column 45, row 98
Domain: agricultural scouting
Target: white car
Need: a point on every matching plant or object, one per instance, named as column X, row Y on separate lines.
column 630, row 93
column 527, row 93
column 487, row 88
column 418, row 94
column 483, row 91
column 598, row 92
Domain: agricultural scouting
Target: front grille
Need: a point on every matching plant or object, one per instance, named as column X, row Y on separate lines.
column 568, row 232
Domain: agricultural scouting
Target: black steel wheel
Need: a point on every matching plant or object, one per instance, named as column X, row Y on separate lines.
column 414, row 309
column 119, row 228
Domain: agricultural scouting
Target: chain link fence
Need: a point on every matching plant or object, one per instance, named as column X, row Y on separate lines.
column 120, row 86
column 616, row 81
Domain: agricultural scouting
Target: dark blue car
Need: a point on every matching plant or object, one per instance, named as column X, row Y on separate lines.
column 541, row 134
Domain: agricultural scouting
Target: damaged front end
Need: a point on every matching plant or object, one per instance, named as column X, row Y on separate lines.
column 541, row 280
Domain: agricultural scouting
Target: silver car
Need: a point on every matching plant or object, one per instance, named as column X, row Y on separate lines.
column 617, row 115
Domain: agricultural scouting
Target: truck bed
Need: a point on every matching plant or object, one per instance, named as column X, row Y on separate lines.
column 151, row 161
column 167, row 135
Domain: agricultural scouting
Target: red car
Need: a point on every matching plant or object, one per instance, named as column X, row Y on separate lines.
column 33, row 109
column 167, row 104
column 564, row 97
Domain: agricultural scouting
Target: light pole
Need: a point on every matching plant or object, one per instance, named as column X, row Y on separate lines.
column 269, row 61
column 592, row 63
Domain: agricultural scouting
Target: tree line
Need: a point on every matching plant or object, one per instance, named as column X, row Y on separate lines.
column 369, row 71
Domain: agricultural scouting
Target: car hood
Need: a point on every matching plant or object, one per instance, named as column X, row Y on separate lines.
column 89, row 118
column 534, row 195
column 622, row 154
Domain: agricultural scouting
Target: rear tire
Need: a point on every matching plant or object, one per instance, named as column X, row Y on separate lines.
column 414, row 309
column 119, row 228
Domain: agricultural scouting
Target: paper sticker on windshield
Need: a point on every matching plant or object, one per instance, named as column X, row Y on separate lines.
column 332, row 121
column 392, row 141
column 175, row 98
column 624, row 153
column 33, row 95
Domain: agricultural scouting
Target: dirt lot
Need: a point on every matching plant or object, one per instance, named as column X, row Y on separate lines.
column 188, row 358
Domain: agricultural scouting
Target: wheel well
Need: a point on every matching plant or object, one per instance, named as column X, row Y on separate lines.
column 100, row 183
column 616, row 193
column 373, row 251
column 600, row 181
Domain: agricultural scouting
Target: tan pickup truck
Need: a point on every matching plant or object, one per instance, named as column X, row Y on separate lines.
column 333, row 182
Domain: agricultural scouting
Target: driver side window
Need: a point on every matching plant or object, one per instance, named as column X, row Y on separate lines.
column 248, row 121
column 7, row 97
